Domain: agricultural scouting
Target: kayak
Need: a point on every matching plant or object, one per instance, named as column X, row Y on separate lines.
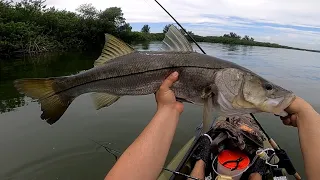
column 231, row 137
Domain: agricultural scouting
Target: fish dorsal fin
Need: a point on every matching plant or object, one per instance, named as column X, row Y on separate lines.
column 101, row 100
column 113, row 48
column 174, row 40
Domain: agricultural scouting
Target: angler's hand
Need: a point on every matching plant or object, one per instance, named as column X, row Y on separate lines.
column 296, row 109
column 165, row 97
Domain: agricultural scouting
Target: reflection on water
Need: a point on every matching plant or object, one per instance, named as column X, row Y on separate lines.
column 37, row 169
column 7, row 105
column 37, row 67
column 30, row 149
column 48, row 65
column 145, row 45
column 232, row 47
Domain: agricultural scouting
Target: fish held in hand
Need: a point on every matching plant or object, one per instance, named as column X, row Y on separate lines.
column 121, row 71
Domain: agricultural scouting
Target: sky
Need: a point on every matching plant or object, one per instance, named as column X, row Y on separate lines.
column 288, row 22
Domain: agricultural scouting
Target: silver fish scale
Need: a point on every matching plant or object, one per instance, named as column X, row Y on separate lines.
column 139, row 62
column 142, row 73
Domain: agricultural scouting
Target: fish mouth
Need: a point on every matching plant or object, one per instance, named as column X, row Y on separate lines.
column 284, row 102
column 277, row 106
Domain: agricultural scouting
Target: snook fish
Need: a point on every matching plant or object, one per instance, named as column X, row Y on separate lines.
column 121, row 71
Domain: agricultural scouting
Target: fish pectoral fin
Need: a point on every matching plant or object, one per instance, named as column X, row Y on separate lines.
column 208, row 95
column 174, row 40
column 209, row 92
column 207, row 114
column 102, row 100
column 113, row 48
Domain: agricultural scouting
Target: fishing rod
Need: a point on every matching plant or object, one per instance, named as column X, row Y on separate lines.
column 284, row 160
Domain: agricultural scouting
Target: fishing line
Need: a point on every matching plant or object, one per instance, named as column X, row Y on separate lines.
column 271, row 141
column 109, row 150
column 181, row 27
column 179, row 173
column 152, row 7
column 200, row 49
column 114, row 152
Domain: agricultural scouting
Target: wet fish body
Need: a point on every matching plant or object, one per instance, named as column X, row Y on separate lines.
column 121, row 71
column 141, row 73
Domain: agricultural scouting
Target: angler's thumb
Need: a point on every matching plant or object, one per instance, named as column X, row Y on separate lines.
column 171, row 79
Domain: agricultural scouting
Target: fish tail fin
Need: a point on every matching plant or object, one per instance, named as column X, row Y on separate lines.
column 53, row 104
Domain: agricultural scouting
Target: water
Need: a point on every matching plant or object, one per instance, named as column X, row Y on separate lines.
column 31, row 149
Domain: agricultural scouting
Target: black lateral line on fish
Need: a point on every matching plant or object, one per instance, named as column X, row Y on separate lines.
column 128, row 75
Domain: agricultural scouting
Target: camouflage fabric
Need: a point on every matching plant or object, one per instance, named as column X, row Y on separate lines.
column 242, row 132
column 203, row 150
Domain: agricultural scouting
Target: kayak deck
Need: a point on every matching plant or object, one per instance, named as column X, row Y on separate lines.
column 181, row 163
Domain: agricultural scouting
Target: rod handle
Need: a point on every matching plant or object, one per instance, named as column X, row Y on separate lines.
column 297, row 176
column 274, row 144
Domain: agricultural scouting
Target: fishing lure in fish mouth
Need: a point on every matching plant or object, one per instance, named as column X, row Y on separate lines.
column 122, row 71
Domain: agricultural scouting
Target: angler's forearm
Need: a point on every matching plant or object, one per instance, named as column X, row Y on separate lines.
column 145, row 157
column 309, row 133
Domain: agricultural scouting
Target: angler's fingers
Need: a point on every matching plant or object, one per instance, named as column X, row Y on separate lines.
column 167, row 83
column 286, row 122
column 284, row 118
column 290, row 120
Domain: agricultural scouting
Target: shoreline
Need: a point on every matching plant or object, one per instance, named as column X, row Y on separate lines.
column 257, row 44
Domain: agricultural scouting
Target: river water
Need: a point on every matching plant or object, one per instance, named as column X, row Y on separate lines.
column 31, row 149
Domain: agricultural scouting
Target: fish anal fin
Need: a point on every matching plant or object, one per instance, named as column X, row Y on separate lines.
column 113, row 48
column 102, row 100
column 174, row 40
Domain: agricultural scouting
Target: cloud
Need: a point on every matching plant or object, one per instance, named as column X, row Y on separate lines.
column 289, row 22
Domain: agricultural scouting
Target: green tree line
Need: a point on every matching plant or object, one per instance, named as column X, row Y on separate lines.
column 29, row 27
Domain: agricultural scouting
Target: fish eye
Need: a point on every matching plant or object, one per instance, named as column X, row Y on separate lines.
column 268, row 87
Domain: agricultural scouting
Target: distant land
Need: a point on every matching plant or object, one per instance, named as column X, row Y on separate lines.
column 29, row 27
column 230, row 40
column 233, row 38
